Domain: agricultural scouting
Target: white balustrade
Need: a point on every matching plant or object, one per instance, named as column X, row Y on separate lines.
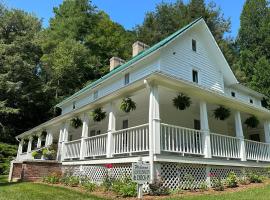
column 131, row 140
column 257, row 150
column 72, row 149
column 95, row 146
column 225, row 146
column 181, row 140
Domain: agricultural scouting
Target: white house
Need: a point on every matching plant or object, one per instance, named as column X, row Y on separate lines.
column 175, row 142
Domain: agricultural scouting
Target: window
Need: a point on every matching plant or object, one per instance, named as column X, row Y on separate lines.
column 194, row 45
column 70, row 138
column 250, row 101
column 74, row 105
column 197, row 124
column 95, row 95
column 126, row 79
column 195, row 76
column 125, row 124
column 233, row 94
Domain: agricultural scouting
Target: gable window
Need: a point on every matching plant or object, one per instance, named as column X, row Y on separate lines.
column 194, row 45
column 195, row 76
column 233, row 94
column 74, row 105
column 251, row 101
column 95, row 95
column 126, row 79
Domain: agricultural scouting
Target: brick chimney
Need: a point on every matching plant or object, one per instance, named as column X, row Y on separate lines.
column 115, row 62
column 138, row 47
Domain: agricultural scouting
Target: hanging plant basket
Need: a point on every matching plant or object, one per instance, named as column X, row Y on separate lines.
column 127, row 105
column 181, row 102
column 76, row 122
column 98, row 114
column 252, row 122
column 222, row 113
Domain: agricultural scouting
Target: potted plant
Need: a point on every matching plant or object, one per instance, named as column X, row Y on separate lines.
column 252, row 122
column 98, row 114
column 181, row 102
column 127, row 105
column 76, row 122
column 222, row 113
column 49, row 153
column 37, row 154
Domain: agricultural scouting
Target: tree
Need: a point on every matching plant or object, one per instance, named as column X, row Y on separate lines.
column 23, row 102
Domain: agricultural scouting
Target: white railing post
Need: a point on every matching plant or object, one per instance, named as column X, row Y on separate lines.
column 205, row 129
column 154, row 127
column 85, row 128
column 240, row 135
column 20, row 148
column 49, row 138
column 111, row 129
column 267, row 137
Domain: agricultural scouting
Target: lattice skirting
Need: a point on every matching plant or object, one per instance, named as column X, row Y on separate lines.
column 174, row 175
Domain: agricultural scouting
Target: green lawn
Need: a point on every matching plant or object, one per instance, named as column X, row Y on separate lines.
column 26, row 191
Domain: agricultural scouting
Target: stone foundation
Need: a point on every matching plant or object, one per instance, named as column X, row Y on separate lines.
column 34, row 170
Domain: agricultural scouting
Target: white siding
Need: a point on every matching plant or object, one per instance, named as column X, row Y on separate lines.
column 179, row 60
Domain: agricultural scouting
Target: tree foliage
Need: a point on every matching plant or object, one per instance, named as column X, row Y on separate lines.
column 7, row 153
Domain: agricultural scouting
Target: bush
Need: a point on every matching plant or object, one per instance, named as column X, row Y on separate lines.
column 89, row 186
column 203, row 187
column 189, row 182
column 232, row 180
column 53, row 178
column 107, row 182
column 176, row 191
column 243, row 180
column 7, row 153
column 255, row 177
column 124, row 187
column 72, row 181
column 37, row 154
column 49, row 153
column 157, row 188
column 218, row 184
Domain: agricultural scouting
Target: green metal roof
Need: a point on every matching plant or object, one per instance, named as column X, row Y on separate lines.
column 133, row 60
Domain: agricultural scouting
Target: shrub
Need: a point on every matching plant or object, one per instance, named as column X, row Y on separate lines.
column 89, row 186
column 53, row 178
column 157, row 188
column 49, row 153
column 203, row 187
column 124, row 187
column 189, row 182
column 255, row 177
column 176, row 191
column 7, row 153
column 243, row 180
column 107, row 182
column 232, row 180
column 72, row 181
column 37, row 154
column 217, row 184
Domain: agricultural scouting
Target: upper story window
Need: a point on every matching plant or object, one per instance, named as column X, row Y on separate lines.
column 194, row 45
column 74, row 105
column 195, row 76
column 126, row 79
column 95, row 94
column 251, row 101
column 233, row 94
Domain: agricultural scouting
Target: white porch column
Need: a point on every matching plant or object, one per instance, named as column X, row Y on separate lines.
column 240, row 135
column 267, row 131
column 205, row 129
column 20, row 148
column 39, row 140
column 59, row 149
column 84, row 134
column 64, row 139
column 154, row 127
column 29, row 147
column 49, row 138
column 111, row 129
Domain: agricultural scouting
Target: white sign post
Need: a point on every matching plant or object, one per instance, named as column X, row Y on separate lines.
column 140, row 175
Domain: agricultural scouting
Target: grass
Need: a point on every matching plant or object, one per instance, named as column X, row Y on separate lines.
column 26, row 190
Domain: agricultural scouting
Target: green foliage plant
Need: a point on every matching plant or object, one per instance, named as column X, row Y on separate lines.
column 231, row 180
column 181, row 101
column 222, row 113
column 252, row 122
column 76, row 122
column 127, row 105
column 98, row 114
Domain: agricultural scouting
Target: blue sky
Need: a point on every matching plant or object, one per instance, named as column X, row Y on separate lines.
column 127, row 13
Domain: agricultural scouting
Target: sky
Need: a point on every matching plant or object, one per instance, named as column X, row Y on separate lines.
column 127, row 13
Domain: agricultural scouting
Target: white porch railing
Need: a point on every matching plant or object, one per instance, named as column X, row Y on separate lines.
column 181, row 140
column 72, row 149
column 225, row 146
column 257, row 150
column 95, row 146
column 131, row 140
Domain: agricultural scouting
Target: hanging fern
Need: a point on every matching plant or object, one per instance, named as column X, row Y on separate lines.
column 76, row 122
column 222, row 113
column 127, row 105
column 252, row 122
column 181, row 102
column 98, row 114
